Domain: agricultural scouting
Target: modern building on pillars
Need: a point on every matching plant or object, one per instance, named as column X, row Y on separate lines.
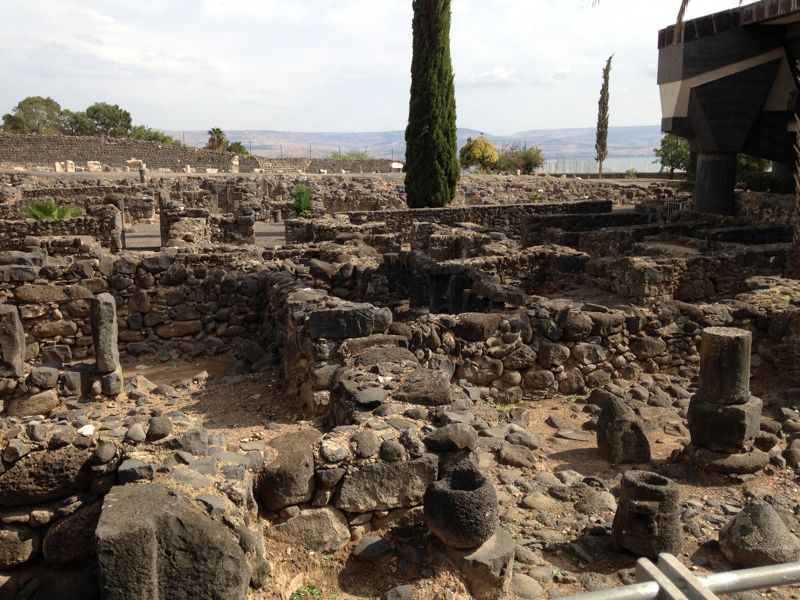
column 728, row 83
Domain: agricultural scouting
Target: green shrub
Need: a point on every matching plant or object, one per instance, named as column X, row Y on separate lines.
column 307, row 592
column 302, row 201
column 631, row 174
column 536, row 197
column 350, row 155
column 520, row 158
column 47, row 210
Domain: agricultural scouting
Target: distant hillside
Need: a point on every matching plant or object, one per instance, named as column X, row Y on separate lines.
column 556, row 143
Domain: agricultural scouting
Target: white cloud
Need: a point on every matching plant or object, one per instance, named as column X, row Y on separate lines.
column 333, row 64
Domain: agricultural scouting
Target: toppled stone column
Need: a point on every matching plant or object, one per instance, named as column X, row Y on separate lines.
column 724, row 417
column 106, row 352
column 647, row 521
column 12, row 342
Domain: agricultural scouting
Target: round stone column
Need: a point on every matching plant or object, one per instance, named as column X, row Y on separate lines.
column 725, row 366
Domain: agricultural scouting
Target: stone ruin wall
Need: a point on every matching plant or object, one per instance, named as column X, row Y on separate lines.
column 36, row 151
column 44, row 151
column 507, row 218
column 102, row 223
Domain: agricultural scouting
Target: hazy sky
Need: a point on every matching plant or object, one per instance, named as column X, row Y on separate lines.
column 333, row 65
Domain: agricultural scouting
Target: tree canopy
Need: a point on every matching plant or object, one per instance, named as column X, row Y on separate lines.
column 478, row 152
column 44, row 116
column 34, row 114
column 432, row 168
column 673, row 154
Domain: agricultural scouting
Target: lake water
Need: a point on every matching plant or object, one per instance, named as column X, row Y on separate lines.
column 640, row 164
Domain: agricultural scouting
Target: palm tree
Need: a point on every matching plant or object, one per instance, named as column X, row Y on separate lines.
column 217, row 141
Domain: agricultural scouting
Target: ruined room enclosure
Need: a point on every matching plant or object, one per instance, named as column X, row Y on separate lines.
column 293, row 404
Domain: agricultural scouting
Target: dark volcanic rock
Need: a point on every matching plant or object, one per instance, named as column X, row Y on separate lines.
column 461, row 508
column 757, row 536
column 42, row 476
column 426, row 387
column 152, row 543
column 289, row 479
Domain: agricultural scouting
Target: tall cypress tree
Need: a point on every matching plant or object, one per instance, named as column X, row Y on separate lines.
column 432, row 168
column 601, row 145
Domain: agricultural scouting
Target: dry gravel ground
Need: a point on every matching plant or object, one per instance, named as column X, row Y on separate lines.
column 253, row 406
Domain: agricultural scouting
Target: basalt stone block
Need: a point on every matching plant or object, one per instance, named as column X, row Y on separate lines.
column 461, row 509
column 720, row 426
column 489, row 568
column 318, row 530
column 620, row 433
column 45, row 378
column 426, row 387
column 725, row 366
column 71, row 539
column 476, row 327
column 37, row 404
column 647, row 347
column 12, row 342
column 289, row 478
column 352, row 321
column 43, row 476
column 18, row 544
column 647, row 521
column 104, row 333
column 383, row 486
column 154, row 545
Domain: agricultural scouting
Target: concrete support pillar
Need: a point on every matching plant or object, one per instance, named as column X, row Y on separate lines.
column 715, row 182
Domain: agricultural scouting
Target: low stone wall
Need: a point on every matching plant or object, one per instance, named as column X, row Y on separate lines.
column 319, row 165
column 103, row 223
column 509, row 219
column 44, row 151
column 688, row 278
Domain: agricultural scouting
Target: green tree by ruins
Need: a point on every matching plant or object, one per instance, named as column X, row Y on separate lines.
column 237, row 148
column 34, row 114
column 432, row 168
column 217, row 140
column 673, row 154
column 478, row 152
column 110, row 120
column 140, row 132
column 601, row 144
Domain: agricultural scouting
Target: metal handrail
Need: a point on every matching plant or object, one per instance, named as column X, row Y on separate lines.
column 717, row 583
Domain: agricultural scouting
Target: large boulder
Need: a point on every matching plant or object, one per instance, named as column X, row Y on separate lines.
column 289, row 478
column 318, row 530
column 383, row 486
column 757, row 536
column 153, row 544
column 43, row 476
